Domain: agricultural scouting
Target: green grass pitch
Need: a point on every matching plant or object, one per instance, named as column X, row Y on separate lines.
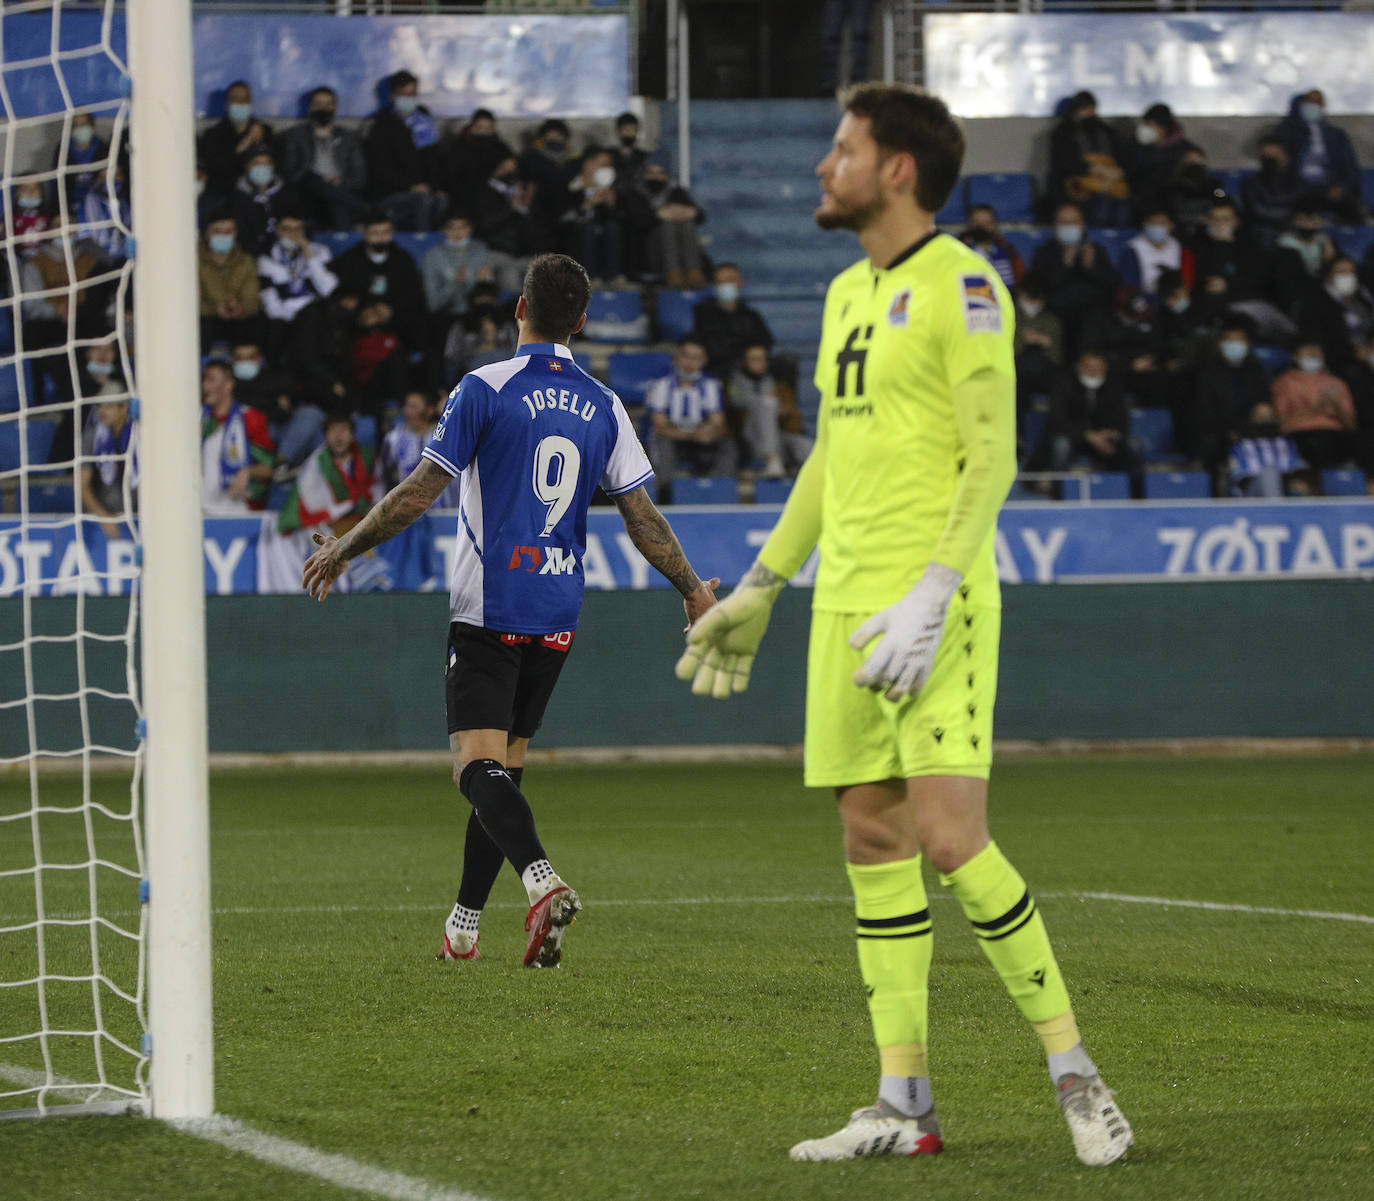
column 702, row 1023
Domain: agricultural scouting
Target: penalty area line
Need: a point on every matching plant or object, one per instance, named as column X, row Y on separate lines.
column 341, row 1170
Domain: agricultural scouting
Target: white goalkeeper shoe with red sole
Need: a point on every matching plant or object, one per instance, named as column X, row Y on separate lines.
column 874, row 1130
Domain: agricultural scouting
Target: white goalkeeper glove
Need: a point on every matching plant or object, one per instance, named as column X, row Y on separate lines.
column 722, row 644
column 911, row 630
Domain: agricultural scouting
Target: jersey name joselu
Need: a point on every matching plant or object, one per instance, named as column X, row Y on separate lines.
column 543, row 401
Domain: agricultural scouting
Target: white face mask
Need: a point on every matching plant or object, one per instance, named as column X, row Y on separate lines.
column 1234, row 352
column 1091, row 382
column 1069, row 235
column 603, row 177
column 1032, row 308
column 1157, row 232
column 1310, row 363
column 1146, row 134
column 1345, row 284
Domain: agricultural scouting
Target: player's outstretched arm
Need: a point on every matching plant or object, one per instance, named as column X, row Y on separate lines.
column 403, row 505
column 653, row 537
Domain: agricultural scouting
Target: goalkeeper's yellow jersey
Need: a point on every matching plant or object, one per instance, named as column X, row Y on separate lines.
column 895, row 344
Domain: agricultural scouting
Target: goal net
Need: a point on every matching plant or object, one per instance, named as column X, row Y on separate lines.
column 75, row 869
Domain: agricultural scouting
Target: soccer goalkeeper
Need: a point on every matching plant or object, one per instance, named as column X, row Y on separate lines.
column 915, row 453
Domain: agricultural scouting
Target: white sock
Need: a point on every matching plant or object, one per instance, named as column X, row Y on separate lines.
column 463, row 921
column 538, row 878
column 909, row 1095
column 1074, row 1062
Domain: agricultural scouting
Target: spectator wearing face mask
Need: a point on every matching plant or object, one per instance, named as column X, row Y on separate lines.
column 772, row 432
column 1261, row 462
column 549, row 166
column 378, row 274
column 471, row 155
column 487, row 333
column 1153, row 250
column 326, row 163
column 725, row 325
column 230, row 297
column 1078, row 275
column 99, row 365
column 295, row 427
column 1270, row 197
column 1339, row 315
column 296, row 277
column 80, row 159
column 29, row 217
column 628, row 157
column 672, row 247
column 1316, row 409
column 261, row 196
column 984, row 235
column 1225, row 267
column 1231, row 381
column 1039, row 347
column 1154, row 156
column 1089, row 420
column 593, row 219
column 105, row 215
column 505, row 216
column 1323, row 156
column 1301, row 256
column 1191, row 190
column 224, row 146
column 402, row 159
column 109, row 449
column 1185, row 330
column 689, row 431
column 452, row 266
column 1086, row 164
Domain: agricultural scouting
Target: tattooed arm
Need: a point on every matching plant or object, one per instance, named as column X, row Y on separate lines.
column 654, row 539
column 400, row 507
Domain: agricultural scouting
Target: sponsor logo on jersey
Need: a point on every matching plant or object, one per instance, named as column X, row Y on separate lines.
column 542, row 560
column 982, row 313
column 898, row 314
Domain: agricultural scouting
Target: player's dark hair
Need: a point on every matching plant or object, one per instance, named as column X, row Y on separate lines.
column 904, row 119
column 556, row 293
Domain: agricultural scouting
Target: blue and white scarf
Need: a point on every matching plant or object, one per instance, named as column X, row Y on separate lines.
column 234, row 452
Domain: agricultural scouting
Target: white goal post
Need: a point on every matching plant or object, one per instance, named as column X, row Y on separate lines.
column 176, row 813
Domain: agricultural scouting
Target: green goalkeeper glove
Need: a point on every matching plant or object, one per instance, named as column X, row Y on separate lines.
column 722, row 644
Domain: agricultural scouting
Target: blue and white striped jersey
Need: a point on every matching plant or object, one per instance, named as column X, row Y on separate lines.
column 687, row 405
column 531, row 437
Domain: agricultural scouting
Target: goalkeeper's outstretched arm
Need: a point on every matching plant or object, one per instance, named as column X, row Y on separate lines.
column 402, row 506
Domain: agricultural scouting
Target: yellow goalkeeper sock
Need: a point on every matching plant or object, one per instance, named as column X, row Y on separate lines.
column 895, row 946
column 1010, row 931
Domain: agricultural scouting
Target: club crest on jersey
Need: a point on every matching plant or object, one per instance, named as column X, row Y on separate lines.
column 982, row 313
column 900, row 311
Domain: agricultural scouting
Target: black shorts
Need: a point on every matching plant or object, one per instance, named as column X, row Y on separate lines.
column 501, row 681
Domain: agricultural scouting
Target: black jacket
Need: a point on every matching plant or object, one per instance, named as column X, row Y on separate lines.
column 218, row 154
column 298, row 155
column 401, row 287
column 394, row 162
column 725, row 333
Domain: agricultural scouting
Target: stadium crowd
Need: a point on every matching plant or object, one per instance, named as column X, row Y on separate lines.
column 1205, row 294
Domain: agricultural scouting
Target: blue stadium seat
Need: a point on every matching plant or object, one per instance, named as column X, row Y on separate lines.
column 1344, row 481
column 1104, row 485
column 956, row 207
column 1231, row 179
column 772, row 492
column 1012, row 195
column 616, row 317
column 1367, row 186
column 1022, row 492
column 9, row 387
column 365, row 430
column 1354, row 240
column 1177, row 485
column 338, row 240
column 705, row 490
column 416, row 244
column 1113, row 241
column 40, row 435
column 1154, row 430
column 629, row 373
column 52, row 494
column 675, row 313
column 1027, row 241
column 7, row 331
column 1273, row 359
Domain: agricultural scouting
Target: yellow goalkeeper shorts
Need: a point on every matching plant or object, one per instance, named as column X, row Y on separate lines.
column 856, row 736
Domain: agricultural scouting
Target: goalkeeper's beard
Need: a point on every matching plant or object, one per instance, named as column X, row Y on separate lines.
column 858, row 218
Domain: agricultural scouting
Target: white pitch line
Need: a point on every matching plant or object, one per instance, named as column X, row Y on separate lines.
column 341, row 1170
column 1122, row 898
